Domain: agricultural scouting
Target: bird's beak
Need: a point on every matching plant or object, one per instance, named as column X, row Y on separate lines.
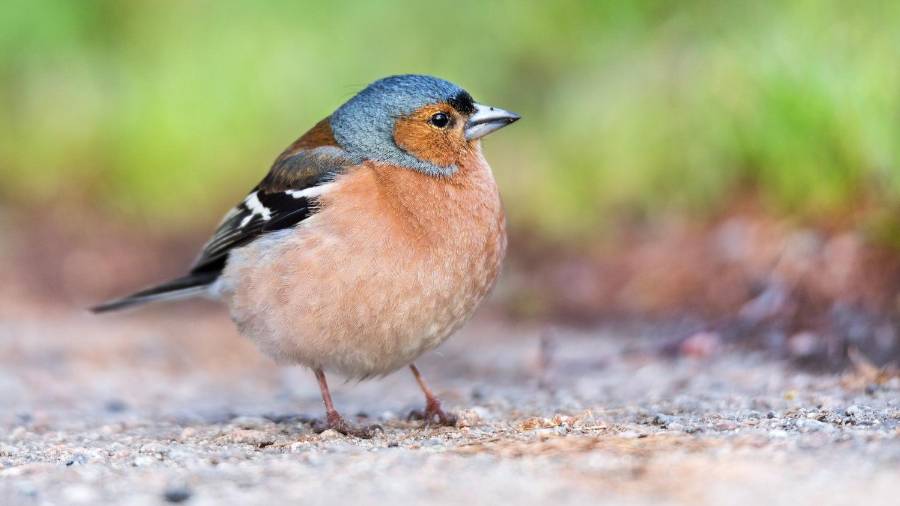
column 487, row 119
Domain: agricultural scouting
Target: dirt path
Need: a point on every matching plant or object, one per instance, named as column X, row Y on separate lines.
column 156, row 407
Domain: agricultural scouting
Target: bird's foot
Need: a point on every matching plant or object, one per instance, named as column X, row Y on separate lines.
column 337, row 423
column 434, row 415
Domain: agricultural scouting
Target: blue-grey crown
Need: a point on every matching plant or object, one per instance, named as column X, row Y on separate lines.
column 365, row 124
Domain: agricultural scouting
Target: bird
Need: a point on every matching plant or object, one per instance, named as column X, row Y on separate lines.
column 373, row 237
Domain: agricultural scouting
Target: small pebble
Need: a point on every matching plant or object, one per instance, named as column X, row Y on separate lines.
column 469, row 418
column 115, row 406
column 177, row 494
column 330, row 434
column 78, row 458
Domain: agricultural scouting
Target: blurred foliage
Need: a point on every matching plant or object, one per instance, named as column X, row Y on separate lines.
column 139, row 107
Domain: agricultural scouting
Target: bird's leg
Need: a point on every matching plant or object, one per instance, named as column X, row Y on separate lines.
column 433, row 411
column 334, row 420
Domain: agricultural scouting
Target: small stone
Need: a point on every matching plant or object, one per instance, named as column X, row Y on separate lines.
column 329, row 434
column 675, row 427
column 115, row 406
column 468, row 418
column 177, row 494
column 78, row 458
column 531, row 424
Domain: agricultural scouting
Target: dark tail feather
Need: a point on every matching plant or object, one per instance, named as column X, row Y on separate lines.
column 192, row 284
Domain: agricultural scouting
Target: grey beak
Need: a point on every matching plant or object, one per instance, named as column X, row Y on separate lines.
column 487, row 119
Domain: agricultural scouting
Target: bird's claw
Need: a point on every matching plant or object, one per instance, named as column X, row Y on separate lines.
column 433, row 415
column 338, row 424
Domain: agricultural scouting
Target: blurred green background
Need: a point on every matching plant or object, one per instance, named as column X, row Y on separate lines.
column 642, row 109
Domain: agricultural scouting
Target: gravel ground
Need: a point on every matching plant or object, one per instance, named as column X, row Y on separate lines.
column 170, row 405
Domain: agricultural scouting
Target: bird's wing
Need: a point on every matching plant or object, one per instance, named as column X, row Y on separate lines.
column 282, row 199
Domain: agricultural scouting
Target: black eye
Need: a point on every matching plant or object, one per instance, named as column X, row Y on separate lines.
column 440, row 120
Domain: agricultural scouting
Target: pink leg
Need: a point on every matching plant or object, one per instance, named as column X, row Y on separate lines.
column 433, row 411
column 334, row 420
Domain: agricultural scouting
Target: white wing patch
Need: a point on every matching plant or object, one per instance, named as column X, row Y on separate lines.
column 311, row 192
column 256, row 208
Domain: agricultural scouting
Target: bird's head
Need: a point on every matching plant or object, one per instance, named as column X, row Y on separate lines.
column 414, row 121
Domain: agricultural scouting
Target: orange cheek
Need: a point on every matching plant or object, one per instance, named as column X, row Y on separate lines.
column 418, row 138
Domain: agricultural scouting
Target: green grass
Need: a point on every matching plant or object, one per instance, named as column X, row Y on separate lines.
column 629, row 107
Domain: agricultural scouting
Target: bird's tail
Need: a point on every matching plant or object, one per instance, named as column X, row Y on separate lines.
column 179, row 288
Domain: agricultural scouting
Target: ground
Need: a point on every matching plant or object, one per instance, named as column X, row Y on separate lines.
column 171, row 405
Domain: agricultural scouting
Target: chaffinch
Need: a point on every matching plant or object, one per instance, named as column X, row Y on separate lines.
column 374, row 236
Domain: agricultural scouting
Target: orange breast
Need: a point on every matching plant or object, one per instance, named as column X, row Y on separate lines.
column 393, row 262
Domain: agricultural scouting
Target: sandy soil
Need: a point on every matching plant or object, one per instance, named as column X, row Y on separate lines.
column 170, row 405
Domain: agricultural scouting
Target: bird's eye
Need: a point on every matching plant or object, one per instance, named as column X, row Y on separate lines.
column 440, row 120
